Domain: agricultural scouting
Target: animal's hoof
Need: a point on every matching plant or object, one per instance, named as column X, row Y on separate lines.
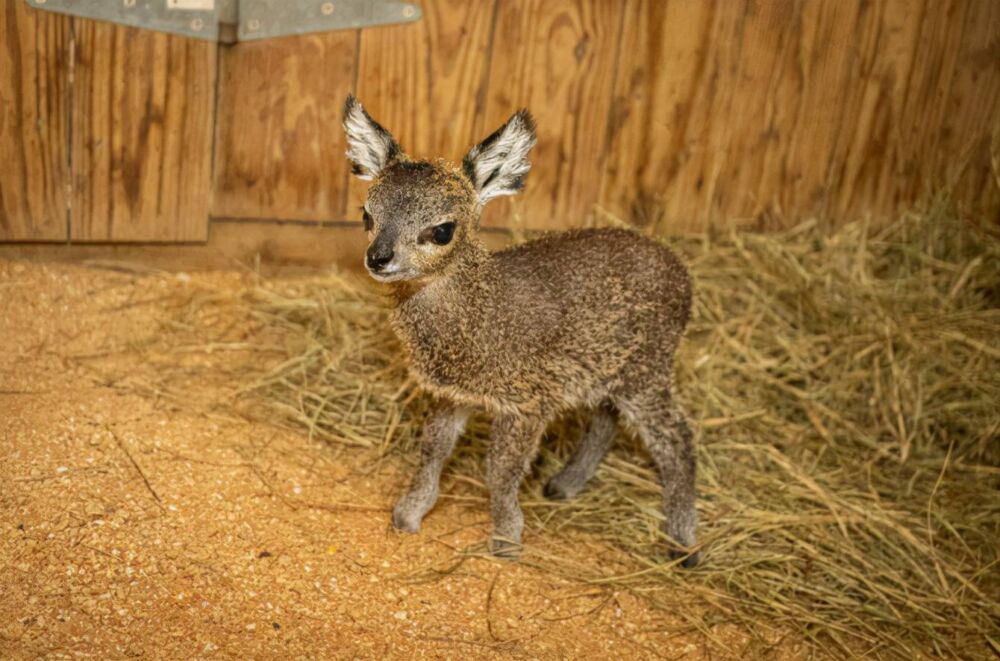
column 405, row 522
column 505, row 549
column 553, row 491
column 690, row 559
column 562, row 489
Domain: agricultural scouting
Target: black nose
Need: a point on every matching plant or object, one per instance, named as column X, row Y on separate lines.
column 377, row 260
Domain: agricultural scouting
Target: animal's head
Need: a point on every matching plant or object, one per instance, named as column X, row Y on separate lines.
column 419, row 213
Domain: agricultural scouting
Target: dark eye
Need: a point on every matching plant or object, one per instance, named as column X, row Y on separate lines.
column 441, row 234
column 366, row 218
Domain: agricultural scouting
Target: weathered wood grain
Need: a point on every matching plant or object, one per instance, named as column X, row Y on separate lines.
column 557, row 58
column 279, row 145
column 768, row 113
column 142, row 117
column 960, row 151
column 34, row 79
column 425, row 81
column 673, row 115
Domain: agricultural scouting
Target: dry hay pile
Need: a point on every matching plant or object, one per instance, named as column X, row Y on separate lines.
column 845, row 390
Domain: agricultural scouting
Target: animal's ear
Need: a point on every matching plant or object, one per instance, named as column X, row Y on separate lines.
column 370, row 148
column 497, row 165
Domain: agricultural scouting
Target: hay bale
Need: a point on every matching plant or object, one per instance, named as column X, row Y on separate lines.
column 844, row 387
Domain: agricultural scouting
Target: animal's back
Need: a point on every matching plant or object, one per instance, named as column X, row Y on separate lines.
column 612, row 272
column 573, row 310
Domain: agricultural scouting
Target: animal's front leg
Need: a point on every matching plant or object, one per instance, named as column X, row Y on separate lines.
column 513, row 444
column 442, row 429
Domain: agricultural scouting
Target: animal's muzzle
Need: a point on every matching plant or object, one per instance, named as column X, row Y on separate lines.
column 378, row 257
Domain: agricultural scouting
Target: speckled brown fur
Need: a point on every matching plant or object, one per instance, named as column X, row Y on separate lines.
column 580, row 319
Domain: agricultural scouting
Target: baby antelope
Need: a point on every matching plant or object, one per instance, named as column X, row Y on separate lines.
column 581, row 319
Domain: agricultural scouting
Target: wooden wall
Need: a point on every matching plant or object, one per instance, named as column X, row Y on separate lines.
column 34, row 123
column 106, row 132
column 674, row 114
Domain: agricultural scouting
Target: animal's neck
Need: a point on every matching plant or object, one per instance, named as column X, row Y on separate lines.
column 440, row 321
column 458, row 280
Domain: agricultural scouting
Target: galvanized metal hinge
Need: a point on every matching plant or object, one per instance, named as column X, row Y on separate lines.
column 229, row 21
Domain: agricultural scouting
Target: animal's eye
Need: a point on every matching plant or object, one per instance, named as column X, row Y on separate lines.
column 441, row 234
column 366, row 218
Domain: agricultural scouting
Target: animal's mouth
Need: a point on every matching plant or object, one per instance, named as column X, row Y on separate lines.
column 391, row 273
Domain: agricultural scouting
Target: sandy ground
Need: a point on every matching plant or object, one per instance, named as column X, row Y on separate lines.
column 133, row 527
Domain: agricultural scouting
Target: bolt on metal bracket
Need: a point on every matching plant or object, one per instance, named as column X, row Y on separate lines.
column 229, row 21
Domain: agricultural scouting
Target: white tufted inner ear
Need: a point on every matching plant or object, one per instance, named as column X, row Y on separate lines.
column 370, row 148
column 498, row 165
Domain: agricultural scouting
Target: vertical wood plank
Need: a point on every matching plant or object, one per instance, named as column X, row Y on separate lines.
column 658, row 94
column 772, row 112
column 704, row 102
column 143, row 109
column 950, row 110
column 280, row 148
column 556, row 58
column 425, row 81
column 34, row 98
column 973, row 131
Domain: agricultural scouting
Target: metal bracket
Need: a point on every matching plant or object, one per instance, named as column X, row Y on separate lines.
column 260, row 19
column 229, row 21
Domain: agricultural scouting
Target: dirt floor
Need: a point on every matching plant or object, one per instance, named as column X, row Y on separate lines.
column 134, row 527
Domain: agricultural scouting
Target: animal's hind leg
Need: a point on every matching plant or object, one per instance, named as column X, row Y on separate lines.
column 665, row 432
column 594, row 446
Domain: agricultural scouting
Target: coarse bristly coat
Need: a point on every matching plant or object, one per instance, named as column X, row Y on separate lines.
column 581, row 319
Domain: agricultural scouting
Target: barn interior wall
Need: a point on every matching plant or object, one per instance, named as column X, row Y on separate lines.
column 670, row 116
